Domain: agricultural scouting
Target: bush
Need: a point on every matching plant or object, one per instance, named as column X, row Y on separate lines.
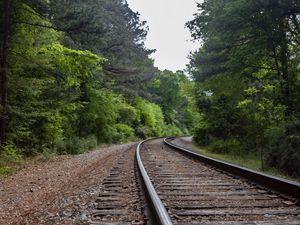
column 127, row 115
column 76, row 145
column 124, row 133
column 201, row 136
column 89, row 143
column 5, row 170
column 141, row 133
column 151, row 118
column 284, row 149
column 9, row 154
column 290, row 155
column 230, row 146
column 172, row 130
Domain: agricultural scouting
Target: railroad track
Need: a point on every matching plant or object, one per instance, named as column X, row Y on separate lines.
column 119, row 202
column 185, row 191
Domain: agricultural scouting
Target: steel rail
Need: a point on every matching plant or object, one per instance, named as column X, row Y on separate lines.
column 280, row 185
column 160, row 211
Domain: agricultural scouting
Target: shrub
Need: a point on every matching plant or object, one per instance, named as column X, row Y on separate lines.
column 230, row 146
column 172, row 130
column 5, row 170
column 140, row 133
column 151, row 118
column 201, row 135
column 124, row 133
column 284, row 149
column 89, row 143
column 127, row 114
column 9, row 154
column 76, row 145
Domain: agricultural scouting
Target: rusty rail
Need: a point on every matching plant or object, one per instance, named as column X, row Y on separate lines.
column 280, row 185
column 159, row 209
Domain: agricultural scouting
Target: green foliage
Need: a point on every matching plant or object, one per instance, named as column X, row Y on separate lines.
column 74, row 65
column 53, row 128
column 172, row 92
column 80, row 75
column 172, row 130
column 76, row 145
column 246, row 79
column 229, row 146
column 283, row 152
column 5, row 170
column 111, row 29
column 167, row 87
column 124, row 133
column 201, row 135
column 8, row 155
column 127, row 114
column 150, row 117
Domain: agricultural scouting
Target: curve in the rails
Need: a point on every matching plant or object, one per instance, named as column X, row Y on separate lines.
column 159, row 210
column 281, row 185
column 198, row 194
column 118, row 201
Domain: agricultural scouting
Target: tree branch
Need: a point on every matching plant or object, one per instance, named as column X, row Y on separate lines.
column 37, row 25
column 45, row 69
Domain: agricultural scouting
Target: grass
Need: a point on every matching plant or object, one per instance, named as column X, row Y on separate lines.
column 6, row 170
column 250, row 161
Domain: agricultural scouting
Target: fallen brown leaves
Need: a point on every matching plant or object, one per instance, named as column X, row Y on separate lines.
column 36, row 191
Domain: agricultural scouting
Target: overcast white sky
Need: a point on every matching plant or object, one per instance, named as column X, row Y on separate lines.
column 166, row 19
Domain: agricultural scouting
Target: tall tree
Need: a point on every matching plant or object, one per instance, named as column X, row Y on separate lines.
column 247, row 71
column 4, row 69
column 111, row 29
column 261, row 33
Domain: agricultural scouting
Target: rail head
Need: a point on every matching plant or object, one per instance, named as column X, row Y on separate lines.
column 160, row 210
column 283, row 186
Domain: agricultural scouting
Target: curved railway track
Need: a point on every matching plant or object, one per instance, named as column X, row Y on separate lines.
column 119, row 200
column 181, row 188
column 185, row 191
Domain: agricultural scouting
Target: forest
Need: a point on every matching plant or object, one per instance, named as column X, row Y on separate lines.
column 247, row 79
column 75, row 74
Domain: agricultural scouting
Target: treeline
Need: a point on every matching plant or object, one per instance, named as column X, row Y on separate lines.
column 77, row 73
column 247, row 75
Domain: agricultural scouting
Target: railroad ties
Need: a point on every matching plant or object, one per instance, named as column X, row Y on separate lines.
column 119, row 201
column 196, row 194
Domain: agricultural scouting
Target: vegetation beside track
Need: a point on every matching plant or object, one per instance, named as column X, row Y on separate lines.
column 249, row 161
column 247, row 79
column 76, row 74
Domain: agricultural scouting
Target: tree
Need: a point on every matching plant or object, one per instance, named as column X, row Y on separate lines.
column 5, row 39
column 246, row 69
column 111, row 29
column 77, row 73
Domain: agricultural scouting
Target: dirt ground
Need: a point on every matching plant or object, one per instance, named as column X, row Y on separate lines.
column 37, row 192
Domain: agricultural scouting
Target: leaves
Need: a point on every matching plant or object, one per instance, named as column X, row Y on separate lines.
column 247, row 63
column 80, row 75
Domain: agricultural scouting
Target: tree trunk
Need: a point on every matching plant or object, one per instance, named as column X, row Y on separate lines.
column 4, row 68
column 284, row 60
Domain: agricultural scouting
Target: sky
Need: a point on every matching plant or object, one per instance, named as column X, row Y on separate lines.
column 167, row 34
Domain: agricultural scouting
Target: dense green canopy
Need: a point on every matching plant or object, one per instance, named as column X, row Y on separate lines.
column 77, row 73
column 247, row 77
column 74, row 74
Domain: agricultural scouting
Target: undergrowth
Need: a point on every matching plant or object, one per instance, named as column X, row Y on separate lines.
column 9, row 155
column 250, row 161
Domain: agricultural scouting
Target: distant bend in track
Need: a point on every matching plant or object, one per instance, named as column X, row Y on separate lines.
column 195, row 193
